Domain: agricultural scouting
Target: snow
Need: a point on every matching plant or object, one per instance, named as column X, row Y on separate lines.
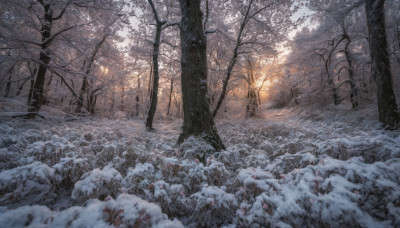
column 292, row 167
column 125, row 211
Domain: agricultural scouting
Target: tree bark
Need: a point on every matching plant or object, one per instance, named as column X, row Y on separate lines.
column 387, row 107
column 197, row 120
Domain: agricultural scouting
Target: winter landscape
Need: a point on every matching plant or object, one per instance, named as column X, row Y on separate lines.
column 198, row 113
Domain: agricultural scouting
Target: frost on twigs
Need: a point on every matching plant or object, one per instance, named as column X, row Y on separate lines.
column 97, row 183
column 213, row 207
column 140, row 177
column 194, row 147
column 329, row 194
column 72, row 169
column 125, row 211
column 51, row 151
column 32, row 183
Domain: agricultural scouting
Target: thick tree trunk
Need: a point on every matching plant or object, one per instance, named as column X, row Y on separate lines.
column 44, row 60
column 198, row 119
column 37, row 93
column 387, row 107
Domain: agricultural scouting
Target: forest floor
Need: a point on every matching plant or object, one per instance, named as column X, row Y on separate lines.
column 315, row 166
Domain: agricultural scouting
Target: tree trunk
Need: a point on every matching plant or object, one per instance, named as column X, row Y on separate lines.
column 79, row 103
column 197, row 119
column 112, row 102
column 156, row 50
column 170, row 95
column 149, row 92
column 44, row 59
column 137, row 106
column 122, row 107
column 137, row 99
column 21, row 87
column 252, row 105
column 81, row 93
column 31, row 85
column 8, row 85
column 350, row 70
column 331, row 83
column 91, row 102
column 387, row 107
column 45, row 98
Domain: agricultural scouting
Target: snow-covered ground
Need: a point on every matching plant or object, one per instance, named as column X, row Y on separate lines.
column 314, row 167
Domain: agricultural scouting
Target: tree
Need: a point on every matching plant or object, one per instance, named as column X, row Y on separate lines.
column 197, row 119
column 88, row 69
column 47, row 38
column 257, row 30
column 160, row 25
column 340, row 43
column 387, row 107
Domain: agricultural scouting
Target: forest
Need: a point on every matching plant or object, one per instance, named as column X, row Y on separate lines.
column 200, row 113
